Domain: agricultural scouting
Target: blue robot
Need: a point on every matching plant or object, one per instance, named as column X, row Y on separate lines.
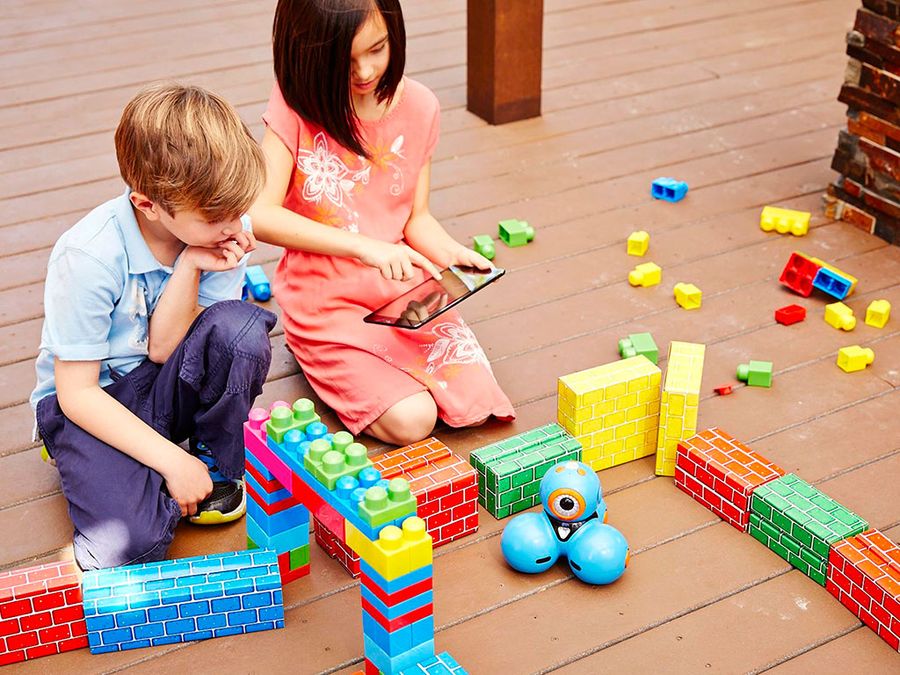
column 572, row 525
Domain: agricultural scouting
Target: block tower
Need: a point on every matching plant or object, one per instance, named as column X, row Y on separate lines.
column 679, row 403
column 613, row 410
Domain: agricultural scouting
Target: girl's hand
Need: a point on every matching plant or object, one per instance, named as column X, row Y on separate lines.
column 466, row 257
column 395, row 261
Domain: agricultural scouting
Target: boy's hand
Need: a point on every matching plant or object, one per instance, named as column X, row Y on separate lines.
column 223, row 257
column 188, row 482
column 395, row 261
column 466, row 257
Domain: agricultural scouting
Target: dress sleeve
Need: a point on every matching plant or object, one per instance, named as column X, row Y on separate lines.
column 281, row 119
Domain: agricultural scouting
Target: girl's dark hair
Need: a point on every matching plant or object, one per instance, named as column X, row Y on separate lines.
column 312, row 41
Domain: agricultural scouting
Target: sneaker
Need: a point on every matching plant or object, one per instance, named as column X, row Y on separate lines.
column 227, row 501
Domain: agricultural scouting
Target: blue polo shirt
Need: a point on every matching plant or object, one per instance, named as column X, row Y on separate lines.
column 102, row 285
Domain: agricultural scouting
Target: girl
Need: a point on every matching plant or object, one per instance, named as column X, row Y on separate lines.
column 348, row 148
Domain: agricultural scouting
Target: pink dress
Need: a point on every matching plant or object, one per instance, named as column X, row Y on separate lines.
column 359, row 369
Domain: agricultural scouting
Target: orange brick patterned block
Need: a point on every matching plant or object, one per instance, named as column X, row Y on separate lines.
column 864, row 574
column 41, row 612
column 721, row 473
column 444, row 484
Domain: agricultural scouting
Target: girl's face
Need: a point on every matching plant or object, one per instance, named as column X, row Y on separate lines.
column 369, row 56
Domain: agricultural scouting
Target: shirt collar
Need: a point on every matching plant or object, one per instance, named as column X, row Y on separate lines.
column 140, row 258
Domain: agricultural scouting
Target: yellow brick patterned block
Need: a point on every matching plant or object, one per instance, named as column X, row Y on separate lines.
column 397, row 551
column 679, row 402
column 612, row 410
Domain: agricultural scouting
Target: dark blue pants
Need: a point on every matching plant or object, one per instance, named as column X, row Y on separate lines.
column 204, row 391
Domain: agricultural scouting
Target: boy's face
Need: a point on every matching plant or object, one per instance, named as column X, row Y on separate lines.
column 370, row 55
column 189, row 227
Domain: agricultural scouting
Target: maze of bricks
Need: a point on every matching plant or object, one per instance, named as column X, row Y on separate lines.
column 613, row 410
column 721, row 473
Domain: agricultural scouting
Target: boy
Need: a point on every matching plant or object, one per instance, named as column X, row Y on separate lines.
column 142, row 345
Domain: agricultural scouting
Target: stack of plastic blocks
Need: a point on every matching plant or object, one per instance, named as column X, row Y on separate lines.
column 679, row 403
column 183, row 600
column 803, row 273
column 40, row 612
column 864, row 574
column 397, row 598
column 613, row 410
column 721, row 473
column 510, row 471
column 800, row 523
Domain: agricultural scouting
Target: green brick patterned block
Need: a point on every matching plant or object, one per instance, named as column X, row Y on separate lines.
column 800, row 523
column 510, row 471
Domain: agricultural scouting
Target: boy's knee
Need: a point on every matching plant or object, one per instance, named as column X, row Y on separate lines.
column 408, row 421
column 241, row 325
column 119, row 545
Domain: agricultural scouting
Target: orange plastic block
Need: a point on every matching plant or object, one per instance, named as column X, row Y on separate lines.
column 721, row 473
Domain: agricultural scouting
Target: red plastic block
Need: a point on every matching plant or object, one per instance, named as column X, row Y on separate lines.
column 402, row 595
column 790, row 314
column 401, row 621
column 799, row 273
column 40, row 612
column 724, row 390
column 864, row 574
column 721, row 473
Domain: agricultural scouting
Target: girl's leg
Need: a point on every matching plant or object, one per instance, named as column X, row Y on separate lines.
column 409, row 420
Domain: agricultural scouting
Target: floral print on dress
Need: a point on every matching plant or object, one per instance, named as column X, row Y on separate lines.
column 454, row 343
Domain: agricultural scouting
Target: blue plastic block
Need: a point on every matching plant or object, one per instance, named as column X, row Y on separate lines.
column 131, row 618
column 254, row 600
column 194, row 608
column 832, row 283
column 399, row 583
column 134, row 644
column 117, row 635
column 281, row 542
column 395, row 642
column 180, row 626
column 211, row 621
column 401, row 608
column 259, row 466
column 267, row 497
column 226, row 605
column 240, row 618
column 392, row 663
column 442, row 664
column 422, row 630
column 150, row 630
column 668, row 189
column 257, row 283
column 276, row 523
column 163, row 613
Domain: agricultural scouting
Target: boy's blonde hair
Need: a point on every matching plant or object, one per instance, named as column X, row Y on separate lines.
column 187, row 149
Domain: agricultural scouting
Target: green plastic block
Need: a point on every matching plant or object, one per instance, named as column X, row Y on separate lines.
column 484, row 245
column 379, row 506
column 756, row 373
column 251, row 544
column 515, row 232
column 299, row 557
column 639, row 343
column 283, row 419
column 328, row 463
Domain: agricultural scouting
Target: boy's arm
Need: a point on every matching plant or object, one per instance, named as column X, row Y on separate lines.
column 427, row 236
column 87, row 405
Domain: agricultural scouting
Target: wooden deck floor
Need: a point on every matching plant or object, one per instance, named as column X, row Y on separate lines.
column 737, row 98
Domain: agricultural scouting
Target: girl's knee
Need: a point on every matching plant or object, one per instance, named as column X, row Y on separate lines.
column 407, row 421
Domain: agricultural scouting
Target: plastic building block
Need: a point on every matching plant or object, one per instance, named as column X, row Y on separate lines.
column 380, row 506
column 840, row 316
column 790, row 315
column 838, row 276
column 798, row 274
column 41, row 612
column 328, row 461
column 721, row 473
column 668, row 189
column 877, row 313
column 442, row 664
column 645, row 274
column 784, row 221
column 515, row 232
column 853, row 358
column 571, row 526
column 755, row 373
column 257, row 283
column 639, row 343
column 679, row 402
column 509, row 471
column 723, row 390
column 182, row 600
column 483, row 244
column 864, row 574
column 612, row 410
column 396, row 551
column 688, row 295
column 283, row 419
column 638, row 243
column 800, row 523
column 832, row 283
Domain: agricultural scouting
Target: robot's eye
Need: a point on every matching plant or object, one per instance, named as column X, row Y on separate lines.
column 566, row 504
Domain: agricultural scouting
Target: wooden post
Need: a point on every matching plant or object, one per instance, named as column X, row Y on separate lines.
column 504, row 59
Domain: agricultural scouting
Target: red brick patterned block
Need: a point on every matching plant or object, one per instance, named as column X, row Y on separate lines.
column 721, row 473
column 335, row 547
column 864, row 574
column 41, row 612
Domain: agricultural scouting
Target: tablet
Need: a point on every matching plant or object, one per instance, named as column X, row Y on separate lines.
column 432, row 298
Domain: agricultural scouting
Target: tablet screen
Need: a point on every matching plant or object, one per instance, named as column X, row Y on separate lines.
column 431, row 298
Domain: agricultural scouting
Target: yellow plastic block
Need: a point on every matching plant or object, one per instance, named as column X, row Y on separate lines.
column 645, row 274
column 877, row 313
column 396, row 552
column 840, row 316
column 834, row 269
column 679, row 403
column 638, row 243
column 688, row 295
column 784, row 221
column 853, row 358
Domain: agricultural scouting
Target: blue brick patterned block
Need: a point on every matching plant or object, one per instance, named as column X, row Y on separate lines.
column 442, row 664
column 183, row 600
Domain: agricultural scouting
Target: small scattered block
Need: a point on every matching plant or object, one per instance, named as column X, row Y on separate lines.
column 484, row 245
column 724, row 389
column 638, row 243
column 668, row 189
column 877, row 313
column 755, row 373
column 688, row 295
column 514, row 232
column 790, row 314
column 645, row 274
column 784, row 221
column 853, row 358
column 840, row 316
column 639, row 343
